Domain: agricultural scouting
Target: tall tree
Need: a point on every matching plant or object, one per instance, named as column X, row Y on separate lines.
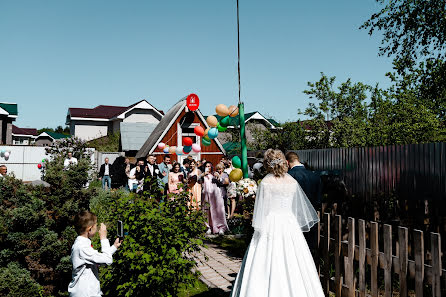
column 412, row 29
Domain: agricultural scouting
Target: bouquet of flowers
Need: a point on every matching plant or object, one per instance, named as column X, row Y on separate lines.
column 246, row 188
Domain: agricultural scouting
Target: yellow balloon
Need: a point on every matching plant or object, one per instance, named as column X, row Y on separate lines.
column 236, row 175
column 172, row 149
column 206, row 131
column 233, row 111
column 222, row 110
column 212, row 121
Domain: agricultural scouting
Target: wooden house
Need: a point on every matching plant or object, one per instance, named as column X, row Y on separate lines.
column 178, row 123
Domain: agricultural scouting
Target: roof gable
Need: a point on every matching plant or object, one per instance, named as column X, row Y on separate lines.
column 10, row 108
column 235, row 121
column 143, row 104
column 161, row 129
column 24, row 131
column 166, row 124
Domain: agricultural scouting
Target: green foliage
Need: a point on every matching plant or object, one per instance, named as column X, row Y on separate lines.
column 289, row 135
column 62, row 130
column 16, row 281
column 411, row 28
column 35, row 233
column 360, row 115
column 155, row 257
column 109, row 143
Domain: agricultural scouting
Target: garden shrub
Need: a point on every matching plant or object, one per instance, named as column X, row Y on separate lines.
column 155, row 256
column 16, row 281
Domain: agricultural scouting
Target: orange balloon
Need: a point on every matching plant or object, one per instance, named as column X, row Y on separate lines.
column 222, row 110
column 212, row 121
column 206, row 131
column 172, row 150
column 233, row 110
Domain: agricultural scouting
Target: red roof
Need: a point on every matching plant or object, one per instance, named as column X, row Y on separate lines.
column 24, row 131
column 101, row 111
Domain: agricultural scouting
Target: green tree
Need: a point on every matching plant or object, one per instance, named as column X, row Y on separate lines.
column 411, row 29
column 340, row 117
column 288, row 136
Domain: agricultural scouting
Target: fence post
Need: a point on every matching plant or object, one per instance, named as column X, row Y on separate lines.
column 326, row 247
column 418, row 239
column 349, row 274
column 375, row 254
column 362, row 263
column 337, row 255
column 318, row 258
column 387, row 260
column 436, row 264
column 403, row 260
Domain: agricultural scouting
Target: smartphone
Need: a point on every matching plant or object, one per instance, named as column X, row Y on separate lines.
column 180, row 178
column 120, row 229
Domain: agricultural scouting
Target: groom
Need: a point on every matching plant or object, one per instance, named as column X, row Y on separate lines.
column 311, row 184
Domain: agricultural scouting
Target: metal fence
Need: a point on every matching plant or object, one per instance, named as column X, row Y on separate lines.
column 415, row 171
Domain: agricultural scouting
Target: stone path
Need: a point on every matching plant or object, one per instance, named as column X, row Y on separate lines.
column 220, row 270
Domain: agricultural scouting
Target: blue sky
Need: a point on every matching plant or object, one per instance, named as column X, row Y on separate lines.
column 60, row 54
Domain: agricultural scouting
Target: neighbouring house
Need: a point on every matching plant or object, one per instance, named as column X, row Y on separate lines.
column 178, row 123
column 134, row 123
column 47, row 138
column 253, row 120
column 23, row 136
column 8, row 114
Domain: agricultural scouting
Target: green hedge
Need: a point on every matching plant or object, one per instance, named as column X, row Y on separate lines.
column 155, row 257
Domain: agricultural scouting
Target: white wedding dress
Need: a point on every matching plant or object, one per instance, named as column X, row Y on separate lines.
column 278, row 262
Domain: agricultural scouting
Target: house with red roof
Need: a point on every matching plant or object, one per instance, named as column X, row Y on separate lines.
column 23, row 136
column 92, row 123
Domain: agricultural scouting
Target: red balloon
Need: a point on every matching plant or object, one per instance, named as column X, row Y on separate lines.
column 199, row 131
column 39, row 166
column 187, row 141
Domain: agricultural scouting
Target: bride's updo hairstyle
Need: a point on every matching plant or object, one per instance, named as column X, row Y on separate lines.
column 275, row 162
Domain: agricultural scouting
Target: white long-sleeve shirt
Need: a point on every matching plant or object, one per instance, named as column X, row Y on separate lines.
column 85, row 260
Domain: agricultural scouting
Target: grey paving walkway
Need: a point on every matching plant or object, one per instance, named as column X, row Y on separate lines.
column 220, row 270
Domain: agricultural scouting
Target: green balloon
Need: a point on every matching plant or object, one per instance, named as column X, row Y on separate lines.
column 225, row 121
column 43, row 160
column 236, row 162
column 221, row 129
column 206, row 138
column 205, row 142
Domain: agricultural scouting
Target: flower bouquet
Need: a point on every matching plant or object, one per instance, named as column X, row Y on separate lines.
column 246, row 188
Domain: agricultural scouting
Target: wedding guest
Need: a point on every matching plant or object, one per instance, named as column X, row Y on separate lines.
column 133, row 182
column 214, row 203
column 202, row 167
column 164, row 169
column 152, row 176
column 194, row 185
column 85, row 259
column 3, row 171
column 105, row 173
column 70, row 160
column 222, row 182
column 140, row 175
column 186, row 167
column 175, row 178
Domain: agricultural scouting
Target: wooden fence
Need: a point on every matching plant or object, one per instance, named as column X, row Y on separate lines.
column 351, row 267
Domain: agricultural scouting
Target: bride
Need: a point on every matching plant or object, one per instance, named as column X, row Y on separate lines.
column 278, row 262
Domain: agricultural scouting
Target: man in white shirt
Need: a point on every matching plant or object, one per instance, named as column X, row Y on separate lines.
column 3, row 171
column 70, row 160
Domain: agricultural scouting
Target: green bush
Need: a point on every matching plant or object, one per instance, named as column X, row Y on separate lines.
column 16, row 281
column 155, row 257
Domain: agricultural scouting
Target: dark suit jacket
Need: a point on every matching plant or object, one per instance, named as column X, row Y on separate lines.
column 311, row 184
column 102, row 170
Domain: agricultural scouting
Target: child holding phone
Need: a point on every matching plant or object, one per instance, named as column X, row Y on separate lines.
column 85, row 259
